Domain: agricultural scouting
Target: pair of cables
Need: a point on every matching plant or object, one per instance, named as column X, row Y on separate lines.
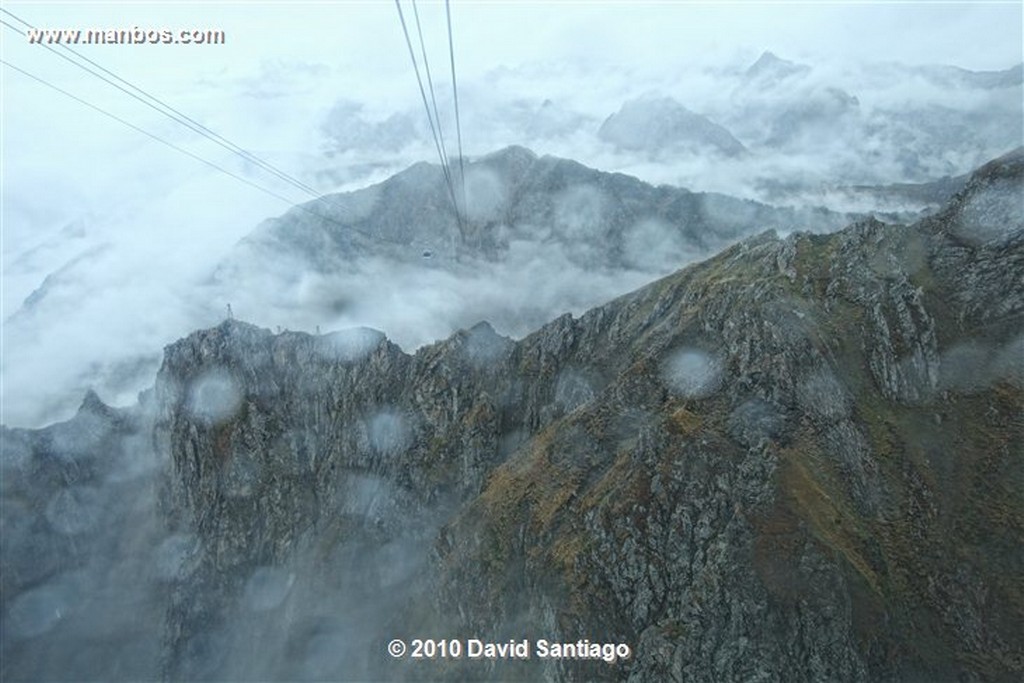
column 109, row 77
column 433, row 116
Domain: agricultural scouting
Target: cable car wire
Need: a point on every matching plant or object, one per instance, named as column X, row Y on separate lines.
column 430, row 119
column 445, row 163
column 158, row 105
column 433, row 98
column 131, row 125
column 165, row 109
column 301, row 207
column 455, row 94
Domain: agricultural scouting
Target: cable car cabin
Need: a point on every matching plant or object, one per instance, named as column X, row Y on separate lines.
column 427, row 253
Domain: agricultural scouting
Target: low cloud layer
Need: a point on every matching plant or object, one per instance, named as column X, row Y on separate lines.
column 111, row 239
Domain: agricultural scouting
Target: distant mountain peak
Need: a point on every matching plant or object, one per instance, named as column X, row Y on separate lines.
column 770, row 65
column 511, row 153
column 92, row 403
column 657, row 124
column 956, row 77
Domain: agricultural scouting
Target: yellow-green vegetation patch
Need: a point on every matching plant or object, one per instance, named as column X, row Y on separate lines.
column 877, row 415
column 829, row 514
column 605, row 487
column 533, row 480
column 814, row 255
column 684, row 421
column 565, row 551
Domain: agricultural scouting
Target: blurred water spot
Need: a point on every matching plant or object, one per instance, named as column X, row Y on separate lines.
column 322, row 295
column 214, row 397
column 35, row 612
column 991, row 214
column 1009, row 362
column 910, row 257
column 352, row 345
column 177, row 556
column 389, row 433
column 572, row 390
column 655, row 246
column 823, row 395
column 267, row 588
column 243, row 474
column 964, row 368
column 137, row 459
column 485, row 194
column 484, row 346
column 74, row 510
column 324, row 652
column 204, row 655
column 691, row 373
column 398, row 562
column 510, row 441
column 755, row 420
column 579, row 212
column 16, row 452
column 372, row 499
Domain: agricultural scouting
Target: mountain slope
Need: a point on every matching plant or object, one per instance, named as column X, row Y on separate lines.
column 513, row 196
column 540, row 236
column 767, row 463
column 796, row 460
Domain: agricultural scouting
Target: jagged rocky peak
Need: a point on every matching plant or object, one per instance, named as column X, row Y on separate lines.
column 750, row 469
column 92, row 403
column 816, row 114
column 659, row 125
column 513, row 155
column 771, row 67
column 991, row 205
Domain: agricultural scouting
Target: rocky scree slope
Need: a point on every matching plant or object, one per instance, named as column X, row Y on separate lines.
column 798, row 460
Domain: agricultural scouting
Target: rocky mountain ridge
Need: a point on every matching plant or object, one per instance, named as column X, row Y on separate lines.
column 514, row 196
column 539, row 236
column 798, row 459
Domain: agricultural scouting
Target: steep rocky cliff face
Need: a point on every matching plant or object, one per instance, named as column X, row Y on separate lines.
column 798, row 460
column 84, row 554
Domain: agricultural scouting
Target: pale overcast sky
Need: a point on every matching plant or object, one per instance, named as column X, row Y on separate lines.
column 366, row 35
